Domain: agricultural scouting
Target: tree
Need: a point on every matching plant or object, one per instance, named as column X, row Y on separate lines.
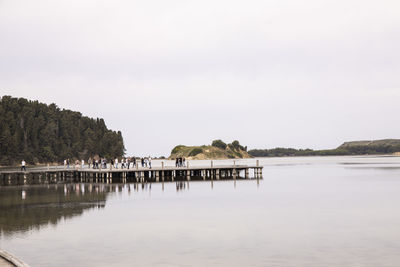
column 219, row 143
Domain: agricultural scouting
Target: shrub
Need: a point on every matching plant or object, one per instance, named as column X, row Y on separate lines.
column 177, row 149
column 195, row 151
column 236, row 145
column 219, row 143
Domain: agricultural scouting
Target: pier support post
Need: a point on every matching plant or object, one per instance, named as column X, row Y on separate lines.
column 162, row 171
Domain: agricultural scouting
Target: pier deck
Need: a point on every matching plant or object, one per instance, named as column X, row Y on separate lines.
column 132, row 175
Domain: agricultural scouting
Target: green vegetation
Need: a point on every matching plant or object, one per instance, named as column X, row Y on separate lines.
column 217, row 150
column 40, row 133
column 388, row 146
column 195, row 151
column 177, row 149
column 235, row 145
column 219, row 143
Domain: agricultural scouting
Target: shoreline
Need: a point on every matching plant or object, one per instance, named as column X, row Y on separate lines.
column 10, row 260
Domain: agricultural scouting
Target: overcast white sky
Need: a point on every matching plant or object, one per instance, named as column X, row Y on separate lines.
column 289, row 73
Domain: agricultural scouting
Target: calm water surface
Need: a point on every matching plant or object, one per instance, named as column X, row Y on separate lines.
column 316, row 211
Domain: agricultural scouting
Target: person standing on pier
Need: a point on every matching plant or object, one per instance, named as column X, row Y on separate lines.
column 67, row 163
column 127, row 163
column 149, row 162
column 116, row 163
column 134, row 162
column 142, row 161
column 23, row 163
column 82, row 163
column 89, row 162
column 183, row 162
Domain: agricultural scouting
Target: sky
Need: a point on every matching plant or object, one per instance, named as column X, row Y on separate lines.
column 270, row 73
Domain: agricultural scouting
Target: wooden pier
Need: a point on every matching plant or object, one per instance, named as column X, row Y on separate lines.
column 132, row 175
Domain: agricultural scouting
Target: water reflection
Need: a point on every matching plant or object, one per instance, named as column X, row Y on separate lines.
column 31, row 207
column 28, row 208
column 180, row 186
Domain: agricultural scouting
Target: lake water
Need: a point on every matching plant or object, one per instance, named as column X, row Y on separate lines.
column 311, row 211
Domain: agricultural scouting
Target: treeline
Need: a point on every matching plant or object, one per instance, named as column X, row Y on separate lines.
column 40, row 133
column 341, row 151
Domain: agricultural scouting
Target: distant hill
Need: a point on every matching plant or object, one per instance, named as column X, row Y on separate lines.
column 373, row 143
column 376, row 147
column 217, row 150
column 40, row 133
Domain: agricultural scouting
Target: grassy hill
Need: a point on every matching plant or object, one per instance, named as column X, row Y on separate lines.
column 217, row 150
column 373, row 143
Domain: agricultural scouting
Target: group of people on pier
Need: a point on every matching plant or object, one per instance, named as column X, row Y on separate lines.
column 102, row 163
column 126, row 162
column 180, row 162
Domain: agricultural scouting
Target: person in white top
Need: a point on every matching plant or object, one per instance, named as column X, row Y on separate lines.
column 116, row 163
column 82, row 163
column 23, row 165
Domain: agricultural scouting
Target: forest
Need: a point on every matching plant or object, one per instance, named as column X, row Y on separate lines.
column 41, row 133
